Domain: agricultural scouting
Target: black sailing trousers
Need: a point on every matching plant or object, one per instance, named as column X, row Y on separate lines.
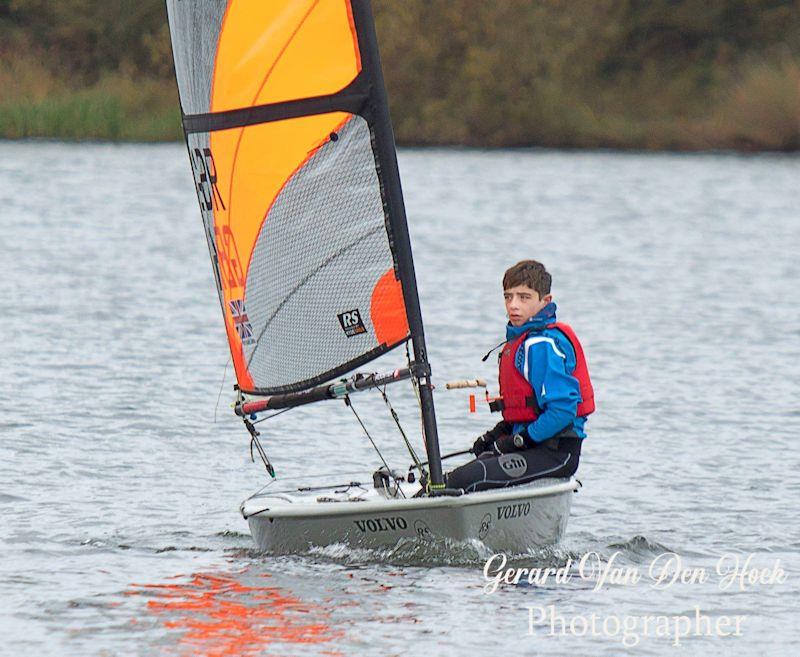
column 492, row 471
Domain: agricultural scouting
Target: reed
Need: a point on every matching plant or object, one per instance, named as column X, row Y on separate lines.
column 35, row 103
column 756, row 107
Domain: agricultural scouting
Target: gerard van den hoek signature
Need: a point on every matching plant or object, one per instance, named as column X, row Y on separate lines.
column 666, row 569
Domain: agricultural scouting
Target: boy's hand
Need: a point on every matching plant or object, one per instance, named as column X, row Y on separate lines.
column 523, row 440
column 484, row 443
column 505, row 445
column 518, row 442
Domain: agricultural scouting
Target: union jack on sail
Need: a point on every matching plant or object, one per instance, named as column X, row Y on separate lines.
column 240, row 320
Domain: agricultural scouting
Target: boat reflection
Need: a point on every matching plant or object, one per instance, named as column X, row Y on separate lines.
column 219, row 615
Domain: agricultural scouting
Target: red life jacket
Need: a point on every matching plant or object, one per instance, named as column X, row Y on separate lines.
column 518, row 399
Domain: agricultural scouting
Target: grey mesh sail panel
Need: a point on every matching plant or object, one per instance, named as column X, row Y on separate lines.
column 320, row 253
column 195, row 26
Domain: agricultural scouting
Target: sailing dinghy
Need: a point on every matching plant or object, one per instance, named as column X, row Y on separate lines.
column 291, row 146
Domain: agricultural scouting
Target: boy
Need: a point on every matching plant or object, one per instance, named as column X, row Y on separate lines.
column 545, row 392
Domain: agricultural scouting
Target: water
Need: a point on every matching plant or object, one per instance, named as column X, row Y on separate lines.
column 120, row 530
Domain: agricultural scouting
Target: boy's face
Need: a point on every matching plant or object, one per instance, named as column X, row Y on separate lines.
column 522, row 303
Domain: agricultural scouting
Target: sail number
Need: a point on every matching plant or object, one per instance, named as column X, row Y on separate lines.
column 210, row 198
column 205, row 179
column 230, row 265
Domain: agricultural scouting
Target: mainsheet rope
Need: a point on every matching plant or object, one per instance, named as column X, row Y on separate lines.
column 349, row 403
column 396, row 419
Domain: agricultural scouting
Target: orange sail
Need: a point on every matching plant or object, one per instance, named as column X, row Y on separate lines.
column 288, row 145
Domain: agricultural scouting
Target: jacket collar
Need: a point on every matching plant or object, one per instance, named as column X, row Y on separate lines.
column 538, row 322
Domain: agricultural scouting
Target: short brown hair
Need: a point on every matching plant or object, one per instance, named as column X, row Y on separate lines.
column 530, row 273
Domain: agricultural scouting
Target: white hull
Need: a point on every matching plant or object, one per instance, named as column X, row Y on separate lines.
column 508, row 520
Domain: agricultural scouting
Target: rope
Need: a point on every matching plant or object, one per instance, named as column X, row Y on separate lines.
column 221, row 385
column 400, row 428
column 269, row 417
column 255, row 441
column 347, row 486
column 315, row 476
column 415, row 385
column 349, row 403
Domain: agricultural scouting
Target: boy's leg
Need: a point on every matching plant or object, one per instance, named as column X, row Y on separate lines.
column 486, row 473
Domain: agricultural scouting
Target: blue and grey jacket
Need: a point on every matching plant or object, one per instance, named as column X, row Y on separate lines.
column 546, row 359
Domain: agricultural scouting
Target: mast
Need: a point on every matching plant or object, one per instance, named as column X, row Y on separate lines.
column 385, row 146
column 321, row 148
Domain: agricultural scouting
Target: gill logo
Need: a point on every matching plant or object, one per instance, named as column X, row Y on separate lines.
column 513, row 465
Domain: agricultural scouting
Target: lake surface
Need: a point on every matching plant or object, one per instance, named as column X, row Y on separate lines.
column 122, row 472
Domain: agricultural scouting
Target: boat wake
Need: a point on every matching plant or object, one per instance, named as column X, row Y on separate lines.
column 639, row 548
column 423, row 553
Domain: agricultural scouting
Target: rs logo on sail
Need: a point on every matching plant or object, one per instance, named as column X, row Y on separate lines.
column 507, row 511
column 351, row 322
column 372, row 525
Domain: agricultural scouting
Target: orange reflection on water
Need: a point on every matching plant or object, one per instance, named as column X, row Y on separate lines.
column 221, row 616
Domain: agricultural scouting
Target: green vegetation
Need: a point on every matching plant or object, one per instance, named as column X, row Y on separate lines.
column 653, row 74
column 115, row 107
column 87, row 69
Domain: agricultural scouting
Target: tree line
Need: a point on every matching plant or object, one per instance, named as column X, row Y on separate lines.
column 681, row 74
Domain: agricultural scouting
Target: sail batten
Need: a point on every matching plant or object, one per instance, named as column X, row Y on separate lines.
column 351, row 100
